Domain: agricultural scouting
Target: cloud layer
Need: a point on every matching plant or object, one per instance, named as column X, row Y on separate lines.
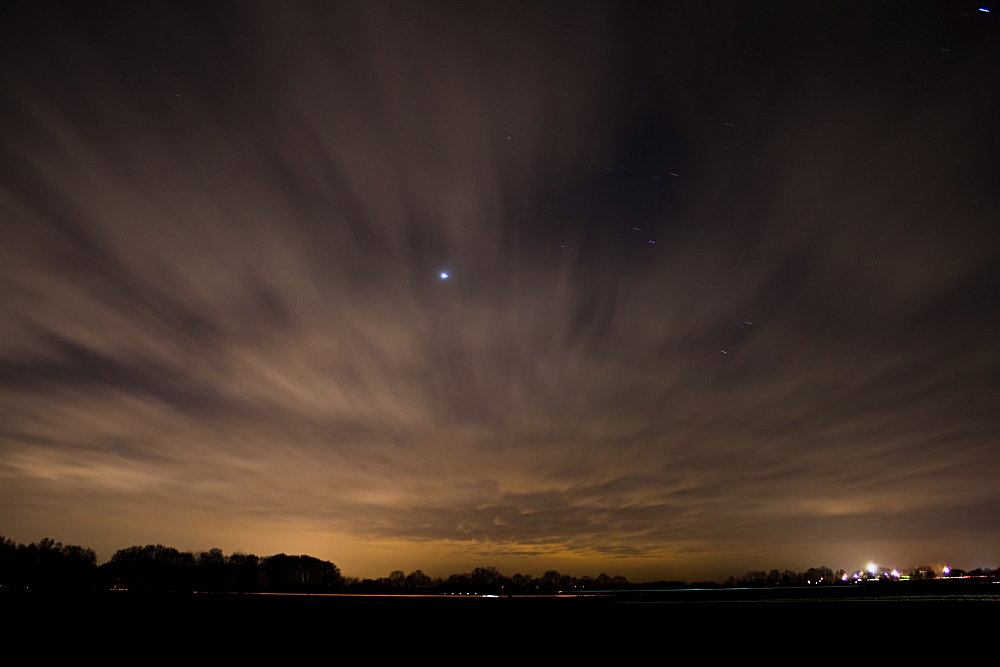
column 695, row 318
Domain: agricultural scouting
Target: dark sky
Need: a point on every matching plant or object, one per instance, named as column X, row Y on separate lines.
column 722, row 294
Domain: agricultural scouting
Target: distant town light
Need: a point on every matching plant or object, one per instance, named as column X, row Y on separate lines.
column 872, row 568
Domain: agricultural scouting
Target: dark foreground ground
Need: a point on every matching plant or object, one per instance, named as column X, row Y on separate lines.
column 897, row 620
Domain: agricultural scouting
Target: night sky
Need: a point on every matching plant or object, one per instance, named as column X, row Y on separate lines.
column 722, row 283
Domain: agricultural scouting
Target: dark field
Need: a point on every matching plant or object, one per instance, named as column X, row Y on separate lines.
column 345, row 610
column 890, row 621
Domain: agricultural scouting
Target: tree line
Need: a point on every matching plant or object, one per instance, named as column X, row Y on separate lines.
column 483, row 580
column 46, row 564
column 51, row 565
column 812, row 576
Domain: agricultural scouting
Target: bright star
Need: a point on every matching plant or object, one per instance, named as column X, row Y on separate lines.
column 444, row 276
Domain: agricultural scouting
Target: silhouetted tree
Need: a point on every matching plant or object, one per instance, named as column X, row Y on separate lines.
column 153, row 567
column 243, row 572
column 212, row 574
column 551, row 579
column 815, row 575
column 299, row 574
column 417, row 579
column 211, row 557
column 485, row 576
column 522, row 580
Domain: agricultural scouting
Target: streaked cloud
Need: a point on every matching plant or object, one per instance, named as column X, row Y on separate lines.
column 223, row 317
